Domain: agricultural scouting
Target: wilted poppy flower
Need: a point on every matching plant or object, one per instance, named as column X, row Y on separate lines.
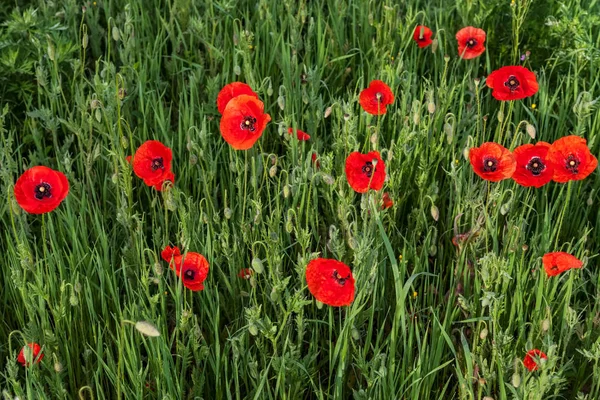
column 245, row 273
column 532, row 358
column 152, row 162
column 492, row 162
column 376, row 98
column 512, row 83
column 243, row 121
column 559, row 262
column 168, row 177
column 365, row 171
column 315, row 161
column 422, row 35
column 330, row 281
column 35, row 354
column 533, row 166
column 41, row 189
column 572, row 159
column 470, row 42
column 231, row 91
column 302, row 136
column 387, row 201
column 191, row 267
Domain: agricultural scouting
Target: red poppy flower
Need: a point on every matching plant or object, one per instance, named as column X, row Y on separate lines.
column 470, row 42
column 315, row 161
column 365, row 171
column 572, row 159
column 169, row 177
column 559, row 262
column 152, row 162
column 302, row 136
column 533, row 166
column 36, row 354
column 191, row 267
column 128, row 159
column 330, row 281
column 422, row 35
column 532, row 358
column 376, row 98
column 512, row 83
column 492, row 162
column 170, row 252
column 243, row 122
column 387, row 201
column 245, row 273
column 231, row 91
column 41, row 189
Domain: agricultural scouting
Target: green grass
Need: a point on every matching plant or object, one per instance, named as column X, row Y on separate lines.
column 80, row 91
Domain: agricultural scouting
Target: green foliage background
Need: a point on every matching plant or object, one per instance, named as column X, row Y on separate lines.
column 83, row 87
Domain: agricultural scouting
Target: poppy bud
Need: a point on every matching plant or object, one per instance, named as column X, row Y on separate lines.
column 327, row 112
column 483, row 334
column 257, row 265
column 516, row 380
column 286, row 191
column 545, row 325
column 115, row 34
column 273, row 171
column 227, row 212
column 435, row 212
column 431, row 108
column 237, row 70
column 85, row 40
column 253, row 330
column 530, row 130
column 328, row 179
column 58, row 367
column 147, row 329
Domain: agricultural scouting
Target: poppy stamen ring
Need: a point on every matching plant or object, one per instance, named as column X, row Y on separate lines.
column 512, row 83
column 43, row 190
column 471, row 42
column 248, row 124
column 339, row 279
column 157, row 163
column 490, row 165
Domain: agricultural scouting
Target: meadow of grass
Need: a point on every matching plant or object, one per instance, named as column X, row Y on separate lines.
column 82, row 85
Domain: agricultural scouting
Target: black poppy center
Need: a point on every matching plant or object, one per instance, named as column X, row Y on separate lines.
column 43, row 190
column 536, row 166
column 367, row 169
column 338, row 278
column 189, row 275
column 572, row 164
column 157, row 163
column 471, row 42
column 248, row 124
column 512, row 83
column 490, row 164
